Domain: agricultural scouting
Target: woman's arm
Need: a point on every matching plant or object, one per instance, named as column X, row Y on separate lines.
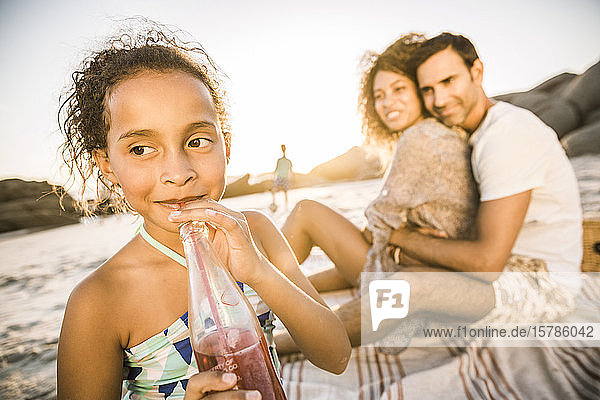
column 90, row 358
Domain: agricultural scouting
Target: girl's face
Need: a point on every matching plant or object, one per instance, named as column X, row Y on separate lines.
column 396, row 100
column 165, row 145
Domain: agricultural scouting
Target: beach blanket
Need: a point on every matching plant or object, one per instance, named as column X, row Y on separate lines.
column 473, row 372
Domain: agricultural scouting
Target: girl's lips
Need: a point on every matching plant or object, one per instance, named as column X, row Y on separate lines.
column 177, row 204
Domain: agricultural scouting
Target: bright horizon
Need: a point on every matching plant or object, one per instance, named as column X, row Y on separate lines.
column 293, row 68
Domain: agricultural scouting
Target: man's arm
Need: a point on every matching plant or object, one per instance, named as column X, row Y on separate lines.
column 498, row 224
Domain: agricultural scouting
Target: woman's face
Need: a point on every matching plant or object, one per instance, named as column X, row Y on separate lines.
column 165, row 145
column 396, row 100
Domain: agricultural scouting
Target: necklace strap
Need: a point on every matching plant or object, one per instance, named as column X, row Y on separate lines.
column 172, row 254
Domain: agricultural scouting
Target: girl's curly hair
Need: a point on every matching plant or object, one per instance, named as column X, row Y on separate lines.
column 395, row 58
column 83, row 115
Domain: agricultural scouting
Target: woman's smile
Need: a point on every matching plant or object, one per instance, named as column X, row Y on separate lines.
column 393, row 115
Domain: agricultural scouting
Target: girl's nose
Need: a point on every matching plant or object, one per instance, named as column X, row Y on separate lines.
column 177, row 169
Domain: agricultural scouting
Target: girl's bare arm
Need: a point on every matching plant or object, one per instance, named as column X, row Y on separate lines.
column 316, row 330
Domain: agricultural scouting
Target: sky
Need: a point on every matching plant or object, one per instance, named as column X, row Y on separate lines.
column 292, row 66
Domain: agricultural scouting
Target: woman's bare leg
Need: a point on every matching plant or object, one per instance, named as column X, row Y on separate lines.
column 314, row 224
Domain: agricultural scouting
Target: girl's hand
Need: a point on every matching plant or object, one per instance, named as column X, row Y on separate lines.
column 216, row 385
column 232, row 240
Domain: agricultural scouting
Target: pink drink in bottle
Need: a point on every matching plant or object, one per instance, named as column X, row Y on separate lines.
column 224, row 331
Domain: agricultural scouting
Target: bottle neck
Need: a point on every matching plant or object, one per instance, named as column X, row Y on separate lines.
column 193, row 229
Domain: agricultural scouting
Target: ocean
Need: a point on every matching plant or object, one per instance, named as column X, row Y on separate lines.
column 39, row 269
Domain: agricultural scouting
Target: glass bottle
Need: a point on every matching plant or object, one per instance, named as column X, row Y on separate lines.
column 224, row 331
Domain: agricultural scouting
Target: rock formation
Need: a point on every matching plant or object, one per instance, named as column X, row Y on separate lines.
column 30, row 204
column 570, row 104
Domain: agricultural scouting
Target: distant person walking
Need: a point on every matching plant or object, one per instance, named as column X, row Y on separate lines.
column 281, row 181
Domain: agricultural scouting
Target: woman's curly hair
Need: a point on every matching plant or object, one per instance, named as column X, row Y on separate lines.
column 83, row 115
column 395, row 58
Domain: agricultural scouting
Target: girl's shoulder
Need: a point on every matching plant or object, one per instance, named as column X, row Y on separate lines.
column 124, row 291
column 105, row 284
column 97, row 301
column 263, row 227
column 118, row 269
column 113, row 283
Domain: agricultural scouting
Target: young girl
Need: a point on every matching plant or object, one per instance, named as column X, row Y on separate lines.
column 146, row 114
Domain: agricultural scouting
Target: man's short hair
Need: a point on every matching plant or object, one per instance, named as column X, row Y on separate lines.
column 460, row 44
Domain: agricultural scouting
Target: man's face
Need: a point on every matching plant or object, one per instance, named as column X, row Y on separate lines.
column 451, row 90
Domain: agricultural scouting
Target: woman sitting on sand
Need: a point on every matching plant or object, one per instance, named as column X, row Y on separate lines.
column 390, row 105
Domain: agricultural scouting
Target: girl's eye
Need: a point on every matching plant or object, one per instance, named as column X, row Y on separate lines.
column 199, row 142
column 399, row 89
column 140, row 150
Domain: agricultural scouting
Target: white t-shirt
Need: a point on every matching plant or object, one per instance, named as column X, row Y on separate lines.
column 514, row 151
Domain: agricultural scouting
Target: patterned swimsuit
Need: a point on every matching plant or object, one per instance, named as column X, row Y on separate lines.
column 159, row 367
